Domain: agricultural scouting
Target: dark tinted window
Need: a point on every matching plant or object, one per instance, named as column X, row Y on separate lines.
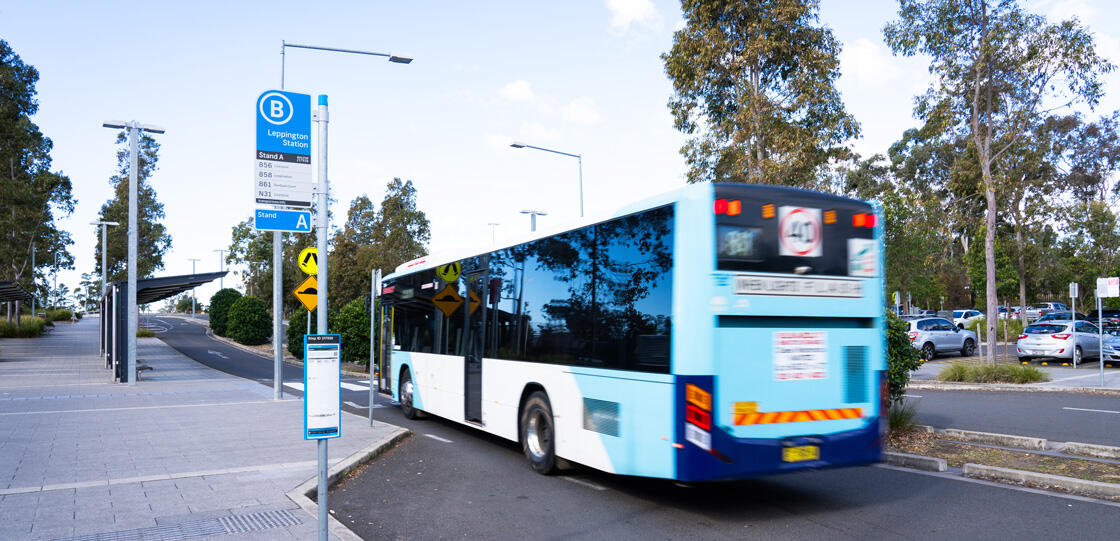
column 596, row 296
column 1044, row 329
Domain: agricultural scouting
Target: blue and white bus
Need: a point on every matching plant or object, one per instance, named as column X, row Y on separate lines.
column 719, row 331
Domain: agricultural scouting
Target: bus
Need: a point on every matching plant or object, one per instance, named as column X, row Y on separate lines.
column 720, row 331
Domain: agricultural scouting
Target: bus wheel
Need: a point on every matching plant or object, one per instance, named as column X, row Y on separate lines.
column 406, row 390
column 538, row 435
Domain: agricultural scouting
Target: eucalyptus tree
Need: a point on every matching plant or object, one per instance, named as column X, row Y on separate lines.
column 995, row 67
column 754, row 84
column 153, row 240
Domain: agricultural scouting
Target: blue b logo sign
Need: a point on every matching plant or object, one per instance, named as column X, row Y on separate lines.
column 275, row 108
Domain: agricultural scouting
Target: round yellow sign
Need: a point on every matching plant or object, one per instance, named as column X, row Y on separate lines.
column 449, row 272
column 309, row 260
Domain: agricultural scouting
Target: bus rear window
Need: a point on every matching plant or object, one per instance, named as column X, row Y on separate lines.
column 739, row 242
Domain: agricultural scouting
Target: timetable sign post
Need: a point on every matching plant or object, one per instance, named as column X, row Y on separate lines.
column 322, row 375
column 282, row 158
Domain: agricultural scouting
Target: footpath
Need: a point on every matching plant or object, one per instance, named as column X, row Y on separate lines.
column 187, row 453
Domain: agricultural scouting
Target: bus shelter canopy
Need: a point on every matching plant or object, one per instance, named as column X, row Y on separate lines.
column 149, row 290
column 11, row 291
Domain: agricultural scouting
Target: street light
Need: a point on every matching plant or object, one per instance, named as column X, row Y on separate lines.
column 518, row 144
column 533, row 215
column 134, row 128
column 192, row 260
column 104, row 249
column 221, row 266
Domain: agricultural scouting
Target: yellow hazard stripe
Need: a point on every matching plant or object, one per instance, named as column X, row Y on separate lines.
column 774, row 417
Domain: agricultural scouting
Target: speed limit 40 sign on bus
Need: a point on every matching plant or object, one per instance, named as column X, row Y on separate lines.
column 799, row 231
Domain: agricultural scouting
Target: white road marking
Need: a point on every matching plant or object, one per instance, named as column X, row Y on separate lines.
column 294, row 385
column 912, row 395
column 353, row 405
column 218, row 353
column 352, row 387
column 437, row 438
column 1096, row 411
column 587, row 484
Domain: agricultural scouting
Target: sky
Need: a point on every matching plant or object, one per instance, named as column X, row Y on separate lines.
column 579, row 77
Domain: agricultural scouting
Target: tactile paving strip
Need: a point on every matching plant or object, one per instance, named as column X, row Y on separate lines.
column 250, row 522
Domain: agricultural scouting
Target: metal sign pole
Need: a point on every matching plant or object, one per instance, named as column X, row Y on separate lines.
column 374, row 289
column 1100, row 334
column 277, row 326
column 321, row 320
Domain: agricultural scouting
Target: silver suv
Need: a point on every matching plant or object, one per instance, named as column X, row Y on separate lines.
column 933, row 335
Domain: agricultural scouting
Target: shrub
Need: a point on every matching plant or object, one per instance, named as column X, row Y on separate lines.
column 145, row 333
column 28, row 327
column 219, row 309
column 297, row 327
column 986, row 373
column 59, row 314
column 248, row 321
column 903, row 416
column 352, row 322
column 902, row 358
column 1007, row 330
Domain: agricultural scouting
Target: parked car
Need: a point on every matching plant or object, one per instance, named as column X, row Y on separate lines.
column 1073, row 340
column 1111, row 351
column 1047, row 307
column 1004, row 313
column 933, row 335
column 1062, row 316
column 961, row 318
column 1110, row 316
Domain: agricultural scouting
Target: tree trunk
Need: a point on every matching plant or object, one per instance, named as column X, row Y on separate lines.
column 1022, row 264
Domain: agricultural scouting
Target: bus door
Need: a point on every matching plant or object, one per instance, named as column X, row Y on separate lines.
column 474, row 321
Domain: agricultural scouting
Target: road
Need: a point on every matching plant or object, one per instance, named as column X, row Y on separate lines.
column 451, row 481
column 1056, row 416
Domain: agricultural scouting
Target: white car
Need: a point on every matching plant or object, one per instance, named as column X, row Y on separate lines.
column 1058, row 340
column 933, row 335
column 961, row 318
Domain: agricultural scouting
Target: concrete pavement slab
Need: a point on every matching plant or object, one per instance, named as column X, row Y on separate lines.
column 186, row 448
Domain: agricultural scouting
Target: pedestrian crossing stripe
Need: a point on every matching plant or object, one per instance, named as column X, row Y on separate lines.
column 774, row 417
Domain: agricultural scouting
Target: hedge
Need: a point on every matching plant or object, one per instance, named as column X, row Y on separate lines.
column 249, row 322
column 220, row 304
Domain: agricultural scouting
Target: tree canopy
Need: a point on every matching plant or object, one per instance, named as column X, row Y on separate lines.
column 754, row 84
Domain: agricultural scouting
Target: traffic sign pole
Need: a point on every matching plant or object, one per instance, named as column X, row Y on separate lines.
column 321, row 320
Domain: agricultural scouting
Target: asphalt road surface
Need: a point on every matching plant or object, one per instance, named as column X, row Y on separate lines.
column 449, row 481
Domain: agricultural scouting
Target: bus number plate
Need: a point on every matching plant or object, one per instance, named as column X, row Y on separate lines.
column 801, row 453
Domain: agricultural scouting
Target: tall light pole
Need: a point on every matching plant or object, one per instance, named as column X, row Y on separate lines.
column 518, row 144
column 533, row 217
column 104, row 250
column 221, row 265
column 193, row 260
column 134, row 128
column 323, row 193
column 493, row 232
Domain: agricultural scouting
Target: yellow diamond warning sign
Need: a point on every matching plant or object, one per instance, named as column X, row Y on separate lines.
column 448, row 300
column 308, row 293
column 449, row 272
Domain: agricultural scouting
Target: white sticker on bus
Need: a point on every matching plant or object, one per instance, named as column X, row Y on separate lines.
column 800, row 355
column 797, row 286
column 799, row 231
column 863, row 257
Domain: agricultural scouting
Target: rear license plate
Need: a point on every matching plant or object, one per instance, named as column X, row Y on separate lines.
column 800, row 454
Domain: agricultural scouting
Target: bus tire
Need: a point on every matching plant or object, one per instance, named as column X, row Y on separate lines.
column 538, row 433
column 406, row 392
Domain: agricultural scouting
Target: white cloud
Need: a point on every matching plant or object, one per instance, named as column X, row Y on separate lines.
column 627, row 12
column 867, row 64
column 581, row 111
column 517, row 91
column 497, row 141
column 1061, row 10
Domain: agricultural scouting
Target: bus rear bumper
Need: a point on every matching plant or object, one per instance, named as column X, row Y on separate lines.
column 740, row 458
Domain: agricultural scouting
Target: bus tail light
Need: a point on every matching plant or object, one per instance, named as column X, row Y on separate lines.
column 698, row 417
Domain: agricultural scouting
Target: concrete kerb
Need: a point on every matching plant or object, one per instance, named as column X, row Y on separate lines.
column 301, row 495
column 1005, row 440
column 1042, row 480
column 1029, row 388
column 917, row 462
column 1092, row 449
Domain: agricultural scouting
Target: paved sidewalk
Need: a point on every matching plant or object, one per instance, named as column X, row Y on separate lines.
column 187, row 453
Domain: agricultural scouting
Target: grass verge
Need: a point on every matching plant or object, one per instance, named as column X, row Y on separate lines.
column 986, row 373
column 903, row 416
column 958, row 454
column 145, row 333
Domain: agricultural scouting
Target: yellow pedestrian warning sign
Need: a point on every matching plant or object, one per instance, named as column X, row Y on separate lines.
column 308, row 293
column 309, row 260
column 448, row 300
column 449, row 272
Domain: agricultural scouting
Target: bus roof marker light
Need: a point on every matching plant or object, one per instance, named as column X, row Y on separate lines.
column 768, row 210
column 870, row 221
column 721, row 206
column 829, row 216
column 734, row 207
column 858, row 220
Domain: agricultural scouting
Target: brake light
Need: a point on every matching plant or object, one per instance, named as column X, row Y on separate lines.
column 869, row 221
column 913, row 335
column 698, row 417
column 858, row 219
column 1022, row 336
column 721, row 206
column 1063, row 336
